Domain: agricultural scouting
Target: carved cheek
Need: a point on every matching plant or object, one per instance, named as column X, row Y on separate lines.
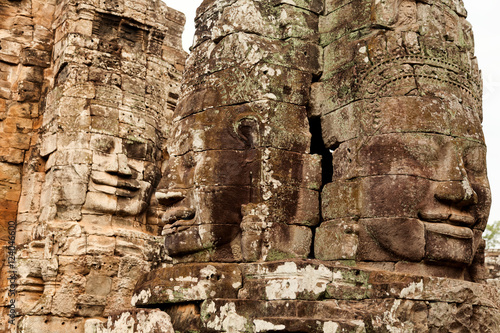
column 481, row 211
column 394, row 196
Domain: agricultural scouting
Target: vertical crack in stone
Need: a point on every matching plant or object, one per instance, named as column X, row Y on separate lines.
column 318, row 147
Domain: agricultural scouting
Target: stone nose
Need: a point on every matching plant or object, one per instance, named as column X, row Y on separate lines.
column 123, row 167
column 119, row 166
column 454, row 188
column 456, row 193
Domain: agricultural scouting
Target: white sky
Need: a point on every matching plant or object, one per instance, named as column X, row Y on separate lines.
column 483, row 14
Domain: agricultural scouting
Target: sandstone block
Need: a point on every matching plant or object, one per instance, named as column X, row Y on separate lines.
column 46, row 324
column 188, row 281
column 202, row 237
column 242, row 49
column 353, row 16
column 261, row 82
column 340, row 199
column 12, row 155
column 387, row 235
column 100, row 245
column 336, row 240
column 394, row 156
column 288, row 241
column 147, row 320
column 98, row 285
column 265, row 121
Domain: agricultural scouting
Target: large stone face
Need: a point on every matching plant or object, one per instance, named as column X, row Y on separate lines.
column 321, row 169
column 88, row 92
column 388, row 92
column 241, row 184
column 399, row 101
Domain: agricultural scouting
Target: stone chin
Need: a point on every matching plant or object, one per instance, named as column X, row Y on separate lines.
column 199, row 238
column 413, row 240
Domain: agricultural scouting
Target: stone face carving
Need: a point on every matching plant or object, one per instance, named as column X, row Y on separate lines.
column 401, row 116
column 401, row 101
column 241, row 182
column 325, row 169
column 395, row 96
column 122, row 176
column 105, row 102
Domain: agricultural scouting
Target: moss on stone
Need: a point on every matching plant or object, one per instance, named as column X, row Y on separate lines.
column 275, row 255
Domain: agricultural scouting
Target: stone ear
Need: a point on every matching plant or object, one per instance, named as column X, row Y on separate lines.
column 248, row 131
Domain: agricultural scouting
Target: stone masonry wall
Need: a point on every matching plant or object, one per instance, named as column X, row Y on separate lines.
column 322, row 168
column 88, row 89
column 492, row 259
column 390, row 93
column 26, row 45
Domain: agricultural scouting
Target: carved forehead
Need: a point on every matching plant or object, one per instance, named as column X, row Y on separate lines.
column 431, row 156
column 401, row 114
column 265, row 123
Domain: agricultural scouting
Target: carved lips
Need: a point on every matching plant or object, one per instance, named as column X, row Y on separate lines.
column 114, row 184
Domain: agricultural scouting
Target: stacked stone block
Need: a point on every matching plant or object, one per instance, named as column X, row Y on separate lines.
column 242, row 181
column 492, row 265
column 315, row 296
column 103, row 77
column 25, row 51
column 400, row 104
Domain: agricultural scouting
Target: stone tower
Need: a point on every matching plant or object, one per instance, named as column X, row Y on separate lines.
column 88, row 91
column 321, row 168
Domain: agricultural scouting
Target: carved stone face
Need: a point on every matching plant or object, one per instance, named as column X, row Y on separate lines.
column 224, row 161
column 407, row 13
column 421, row 196
column 206, row 184
column 122, row 176
column 202, row 212
column 417, row 193
column 409, row 176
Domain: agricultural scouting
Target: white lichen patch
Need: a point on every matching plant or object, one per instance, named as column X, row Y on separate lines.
column 198, row 140
column 287, row 281
column 143, row 296
column 270, row 96
column 208, row 271
column 337, row 275
column 186, row 279
column 244, row 11
column 197, row 291
column 153, row 321
column 268, row 182
column 227, row 320
column 360, row 326
column 412, row 289
column 330, row 327
column 124, row 323
column 264, row 326
column 390, row 318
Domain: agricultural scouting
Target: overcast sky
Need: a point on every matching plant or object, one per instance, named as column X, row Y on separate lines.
column 483, row 14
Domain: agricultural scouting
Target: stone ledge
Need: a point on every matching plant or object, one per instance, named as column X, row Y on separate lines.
column 311, row 296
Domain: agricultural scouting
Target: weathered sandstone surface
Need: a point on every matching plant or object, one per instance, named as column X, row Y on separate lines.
column 312, row 166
